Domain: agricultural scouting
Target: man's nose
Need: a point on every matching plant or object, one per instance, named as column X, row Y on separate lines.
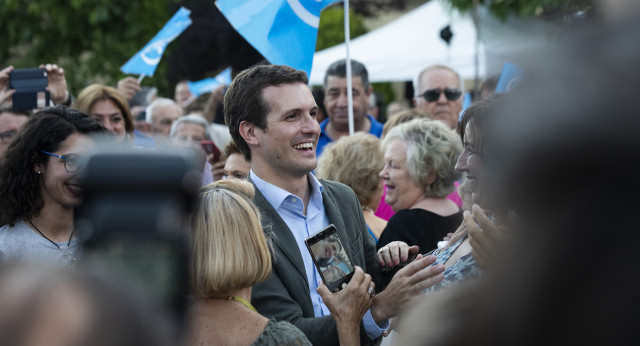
column 343, row 100
column 310, row 124
column 442, row 98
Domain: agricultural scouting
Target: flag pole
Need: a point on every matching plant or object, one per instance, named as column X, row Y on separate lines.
column 140, row 78
column 348, row 61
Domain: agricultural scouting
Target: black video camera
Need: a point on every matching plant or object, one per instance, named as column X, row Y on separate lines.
column 131, row 223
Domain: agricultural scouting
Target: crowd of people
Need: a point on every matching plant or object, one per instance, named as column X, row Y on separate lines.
column 483, row 225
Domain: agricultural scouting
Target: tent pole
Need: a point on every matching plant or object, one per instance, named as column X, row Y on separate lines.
column 347, row 38
column 476, row 22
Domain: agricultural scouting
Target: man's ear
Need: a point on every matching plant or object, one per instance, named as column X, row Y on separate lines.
column 248, row 132
column 415, row 102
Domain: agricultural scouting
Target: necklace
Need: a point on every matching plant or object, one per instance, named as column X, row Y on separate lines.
column 365, row 208
column 239, row 300
column 67, row 254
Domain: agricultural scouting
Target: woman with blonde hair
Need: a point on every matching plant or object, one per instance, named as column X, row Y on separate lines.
column 229, row 255
column 356, row 161
column 108, row 107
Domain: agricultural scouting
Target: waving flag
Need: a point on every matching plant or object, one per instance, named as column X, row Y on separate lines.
column 283, row 31
column 206, row 85
column 147, row 59
column 466, row 103
column 509, row 78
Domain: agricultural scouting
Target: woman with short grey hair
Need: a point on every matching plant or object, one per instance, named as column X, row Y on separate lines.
column 419, row 172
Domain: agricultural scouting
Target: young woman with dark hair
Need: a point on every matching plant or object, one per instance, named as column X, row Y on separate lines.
column 39, row 185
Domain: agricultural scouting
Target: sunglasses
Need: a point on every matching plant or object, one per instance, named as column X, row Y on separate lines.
column 72, row 162
column 433, row 95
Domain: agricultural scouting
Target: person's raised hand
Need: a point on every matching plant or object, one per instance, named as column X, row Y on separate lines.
column 57, row 83
column 217, row 95
column 486, row 238
column 349, row 305
column 395, row 253
column 128, row 86
column 5, row 92
column 405, row 285
column 352, row 302
column 217, row 168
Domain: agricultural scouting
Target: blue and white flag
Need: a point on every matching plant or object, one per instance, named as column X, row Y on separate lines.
column 466, row 103
column 207, row 85
column 147, row 59
column 283, row 31
column 509, row 78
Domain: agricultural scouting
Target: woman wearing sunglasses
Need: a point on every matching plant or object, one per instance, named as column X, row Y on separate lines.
column 39, row 185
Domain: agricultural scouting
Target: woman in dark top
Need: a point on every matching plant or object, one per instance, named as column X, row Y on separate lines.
column 419, row 173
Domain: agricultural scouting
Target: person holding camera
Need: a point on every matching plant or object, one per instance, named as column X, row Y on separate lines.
column 52, row 81
column 40, row 186
column 229, row 255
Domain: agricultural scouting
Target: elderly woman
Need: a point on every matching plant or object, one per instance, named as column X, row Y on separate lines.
column 356, row 161
column 40, row 186
column 419, row 173
column 229, row 255
column 108, row 107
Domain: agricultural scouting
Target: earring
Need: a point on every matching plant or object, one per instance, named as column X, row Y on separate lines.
column 38, row 172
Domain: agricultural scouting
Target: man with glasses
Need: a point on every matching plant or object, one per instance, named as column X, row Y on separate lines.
column 438, row 90
column 10, row 122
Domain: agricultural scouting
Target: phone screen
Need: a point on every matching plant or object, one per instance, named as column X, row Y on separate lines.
column 330, row 258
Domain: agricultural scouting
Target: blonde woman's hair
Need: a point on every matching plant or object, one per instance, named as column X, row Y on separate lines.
column 229, row 249
column 355, row 161
column 403, row 117
column 432, row 147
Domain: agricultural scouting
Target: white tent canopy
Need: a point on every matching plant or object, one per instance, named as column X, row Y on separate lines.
column 398, row 50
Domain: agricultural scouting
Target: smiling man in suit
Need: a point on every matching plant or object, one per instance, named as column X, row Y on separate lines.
column 271, row 112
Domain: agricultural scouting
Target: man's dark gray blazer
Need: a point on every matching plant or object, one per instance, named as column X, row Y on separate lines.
column 285, row 294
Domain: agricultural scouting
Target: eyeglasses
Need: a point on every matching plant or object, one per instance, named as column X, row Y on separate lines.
column 6, row 136
column 72, row 162
column 433, row 95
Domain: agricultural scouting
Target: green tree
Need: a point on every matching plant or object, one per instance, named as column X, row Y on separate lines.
column 90, row 39
column 331, row 27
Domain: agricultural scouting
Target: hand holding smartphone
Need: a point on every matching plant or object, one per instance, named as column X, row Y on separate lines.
column 211, row 148
column 330, row 258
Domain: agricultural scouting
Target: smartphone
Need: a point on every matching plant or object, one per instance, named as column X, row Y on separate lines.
column 28, row 83
column 211, row 148
column 330, row 258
